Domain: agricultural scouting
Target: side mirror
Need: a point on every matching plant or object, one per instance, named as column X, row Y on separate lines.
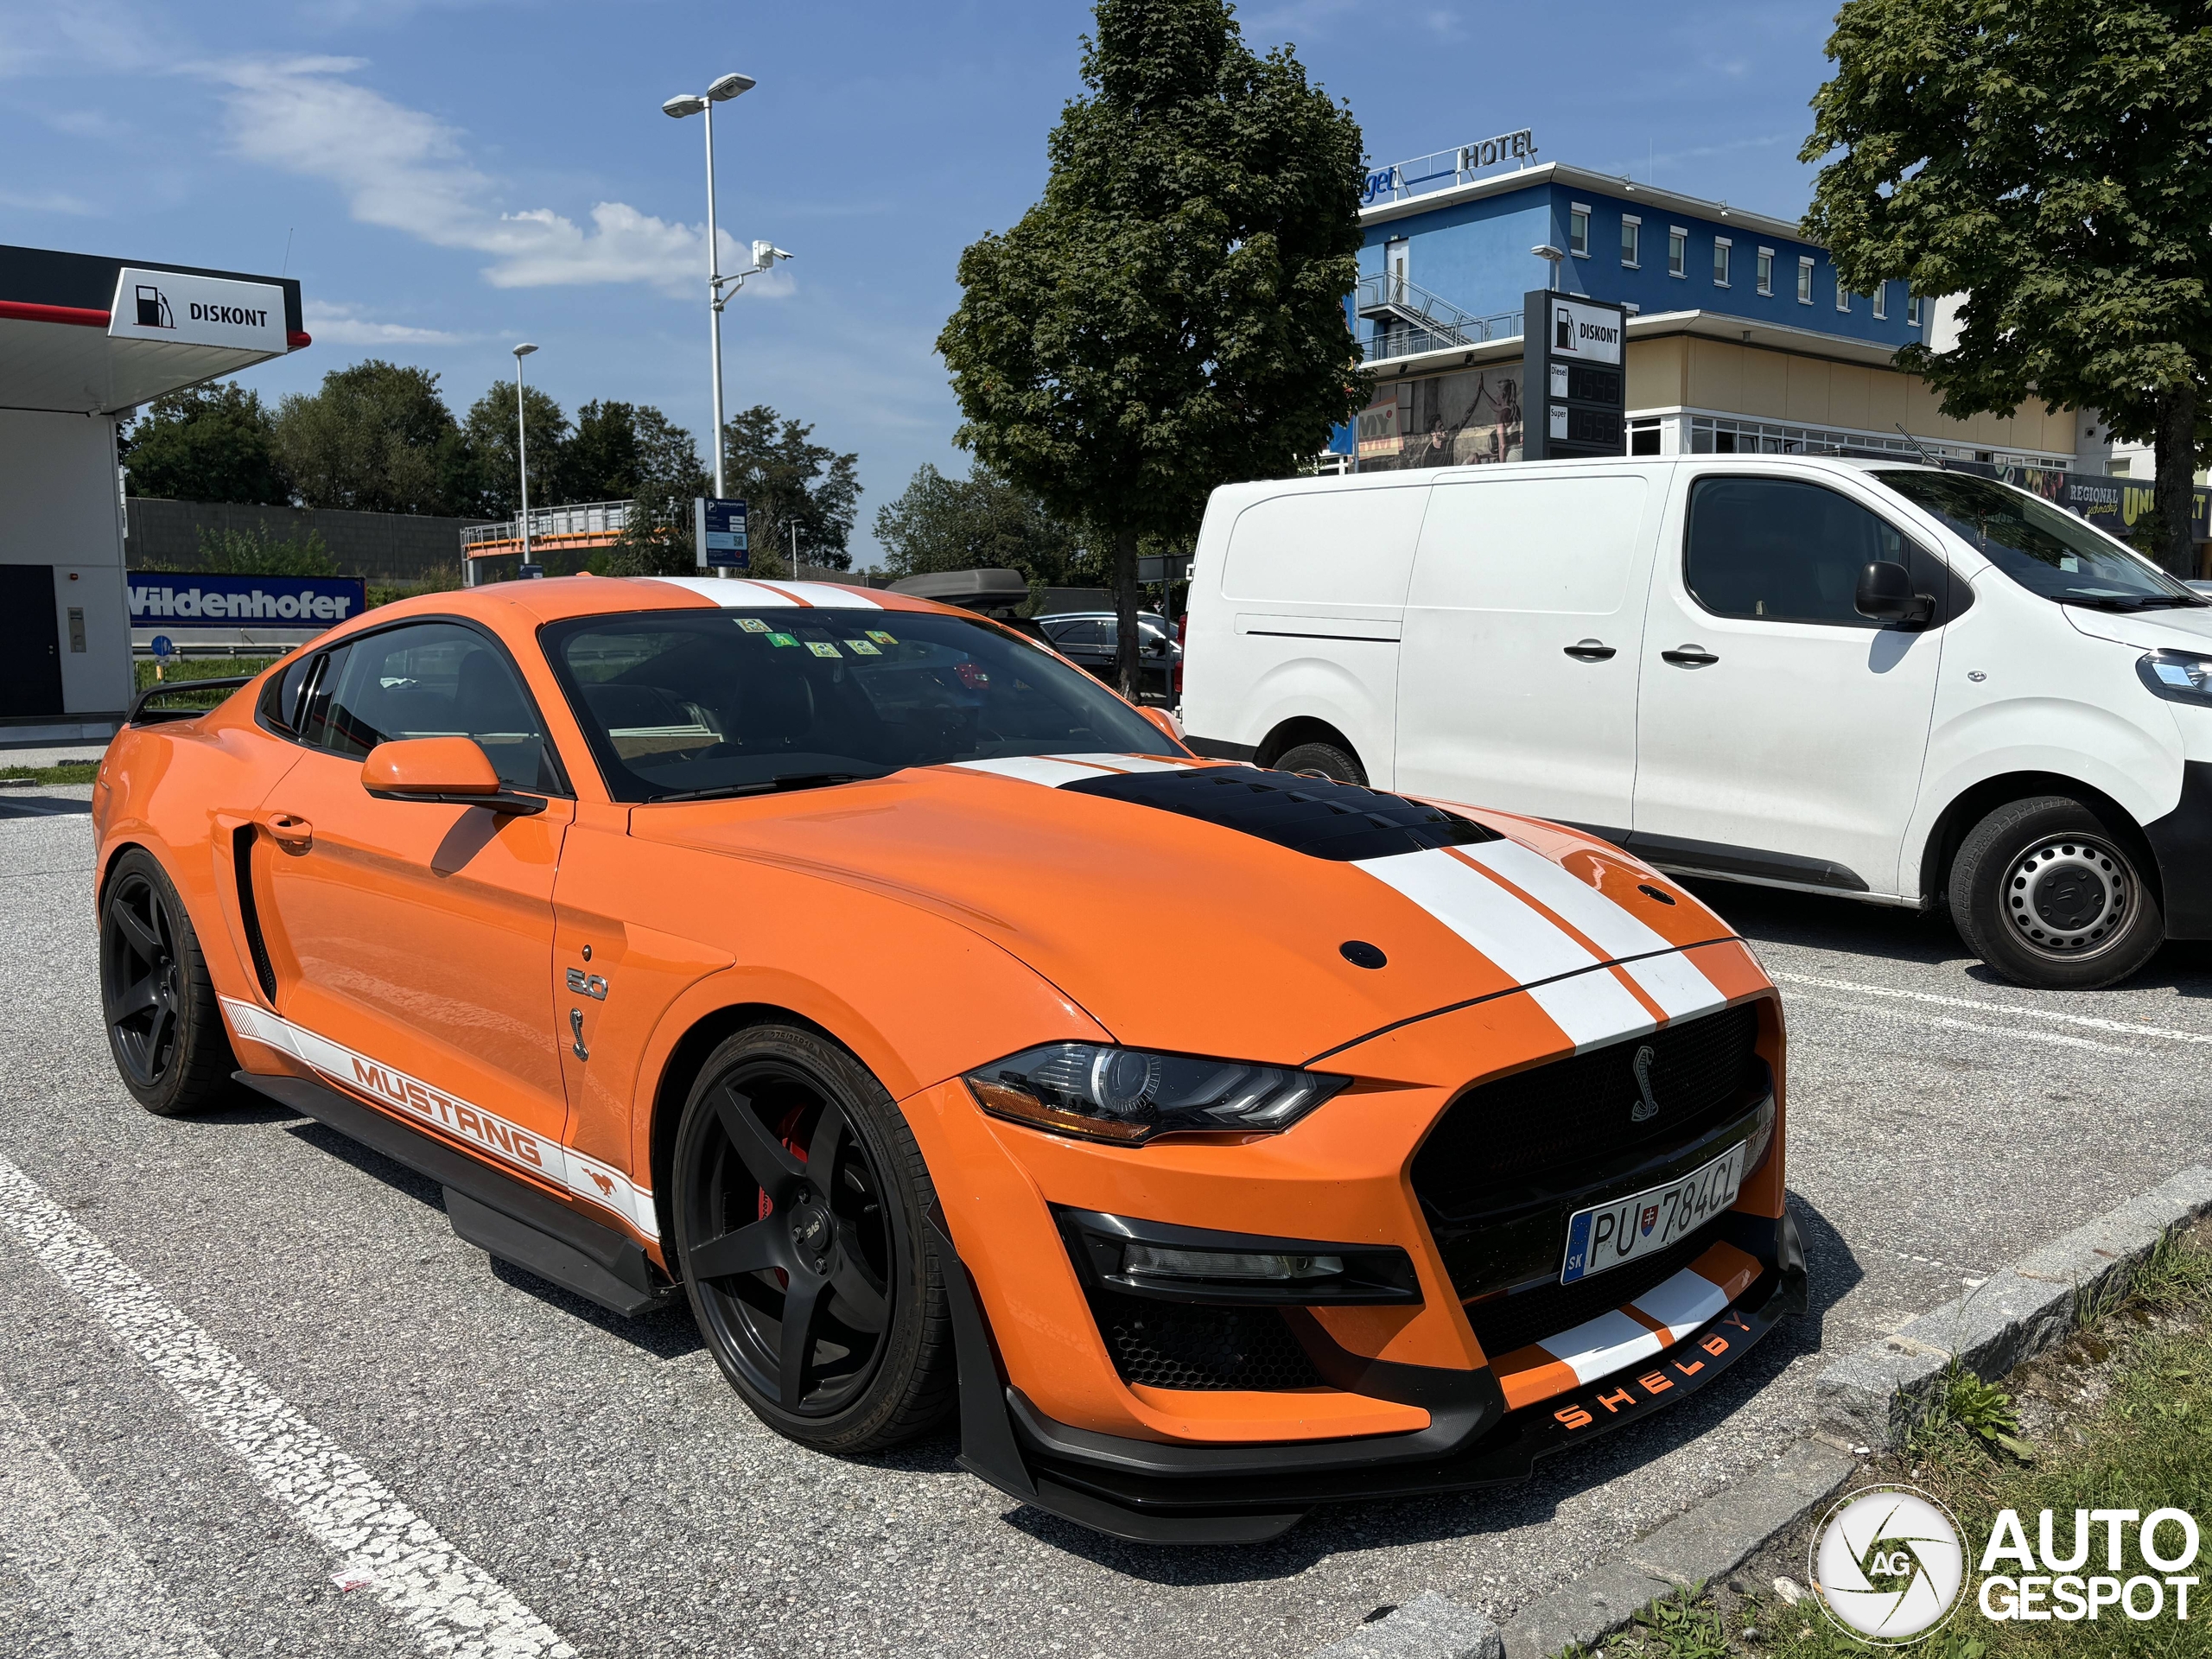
column 452, row 770
column 1165, row 722
column 1885, row 594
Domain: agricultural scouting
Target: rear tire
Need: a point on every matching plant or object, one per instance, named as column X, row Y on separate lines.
column 800, row 1194
column 1324, row 758
column 163, row 1026
column 2049, row 894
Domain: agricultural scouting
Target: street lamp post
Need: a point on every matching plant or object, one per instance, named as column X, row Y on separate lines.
column 726, row 87
column 522, row 450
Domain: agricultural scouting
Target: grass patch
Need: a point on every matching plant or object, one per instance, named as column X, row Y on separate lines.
column 2120, row 1416
column 74, row 773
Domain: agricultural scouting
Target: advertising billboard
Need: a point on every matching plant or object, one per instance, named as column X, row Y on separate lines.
column 177, row 599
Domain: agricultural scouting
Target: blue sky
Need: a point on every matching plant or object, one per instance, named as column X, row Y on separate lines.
column 450, row 177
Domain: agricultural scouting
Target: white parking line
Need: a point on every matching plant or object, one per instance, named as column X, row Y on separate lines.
column 85, row 1570
column 2125, row 1028
column 452, row 1606
column 1944, row 1021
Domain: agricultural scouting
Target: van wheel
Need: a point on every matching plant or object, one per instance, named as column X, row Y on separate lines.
column 1324, row 758
column 2048, row 895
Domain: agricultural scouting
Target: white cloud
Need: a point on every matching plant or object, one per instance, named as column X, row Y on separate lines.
column 344, row 325
column 406, row 170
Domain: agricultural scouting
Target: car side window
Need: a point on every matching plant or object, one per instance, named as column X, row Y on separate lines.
column 431, row 679
column 1780, row 549
column 280, row 698
column 1081, row 635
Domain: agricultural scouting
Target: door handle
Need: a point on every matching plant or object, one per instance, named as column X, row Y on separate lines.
column 292, row 833
column 1590, row 650
column 1688, row 656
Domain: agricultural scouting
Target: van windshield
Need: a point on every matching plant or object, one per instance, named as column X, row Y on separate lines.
column 2045, row 548
column 687, row 704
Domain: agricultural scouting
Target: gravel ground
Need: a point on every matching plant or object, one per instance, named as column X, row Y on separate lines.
column 1942, row 1123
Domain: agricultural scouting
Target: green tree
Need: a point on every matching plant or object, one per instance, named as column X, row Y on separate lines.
column 257, row 553
column 488, row 435
column 783, row 478
column 602, row 462
column 206, row 443
column 1170, row 317
column 979, row 522
column 2046, row 159
column 377, row 438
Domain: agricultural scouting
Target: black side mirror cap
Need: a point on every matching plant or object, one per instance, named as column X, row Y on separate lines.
column 1885, row 594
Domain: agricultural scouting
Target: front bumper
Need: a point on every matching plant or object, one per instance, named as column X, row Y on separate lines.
column 1154, row 1493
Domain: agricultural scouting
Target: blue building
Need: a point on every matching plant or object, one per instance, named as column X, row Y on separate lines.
column 1740, row 338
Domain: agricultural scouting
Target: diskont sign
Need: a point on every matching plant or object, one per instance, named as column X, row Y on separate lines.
column 181, row 310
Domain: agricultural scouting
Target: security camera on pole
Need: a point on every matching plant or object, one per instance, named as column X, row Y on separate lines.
column 718, row 524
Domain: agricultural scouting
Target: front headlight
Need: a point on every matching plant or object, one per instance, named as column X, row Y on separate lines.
column 1129, row 1096
column 2176, row 675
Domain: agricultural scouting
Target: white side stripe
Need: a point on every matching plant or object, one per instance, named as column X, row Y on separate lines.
column 1600, row 1346
column 524, row 1150
column 452, row 1607
column 1524, row 941
column 1682, row 1303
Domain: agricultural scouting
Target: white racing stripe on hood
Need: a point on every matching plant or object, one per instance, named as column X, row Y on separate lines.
column 1676, row 984
column 1524, row 941
column 1033, row 769
column 1128, row 762
column 1593, row 1009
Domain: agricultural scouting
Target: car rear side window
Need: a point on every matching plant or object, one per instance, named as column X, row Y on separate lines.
column 431, row 679
column 1780, row 549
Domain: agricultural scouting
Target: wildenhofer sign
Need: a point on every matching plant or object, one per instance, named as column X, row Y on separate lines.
column 181, row 600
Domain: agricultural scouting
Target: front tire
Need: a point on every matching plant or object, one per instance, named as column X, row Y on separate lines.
column 163, row 1026
column 2050, row 895
column 1326, row 758
column 801, row 1200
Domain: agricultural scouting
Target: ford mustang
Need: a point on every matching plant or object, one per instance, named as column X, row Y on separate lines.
column 795, row 949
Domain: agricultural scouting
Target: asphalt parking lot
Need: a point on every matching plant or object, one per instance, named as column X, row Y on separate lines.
column 238, row 1348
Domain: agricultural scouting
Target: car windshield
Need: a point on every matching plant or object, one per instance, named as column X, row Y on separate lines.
column 2045, row 548
column 693, row 703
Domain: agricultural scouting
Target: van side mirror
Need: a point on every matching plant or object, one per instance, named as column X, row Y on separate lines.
column 1885, row 594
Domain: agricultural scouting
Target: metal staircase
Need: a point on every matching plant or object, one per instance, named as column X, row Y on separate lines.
column 1406, row 318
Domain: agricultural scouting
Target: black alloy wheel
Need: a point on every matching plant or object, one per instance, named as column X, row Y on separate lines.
column 800, row 1197
column 163, row 1026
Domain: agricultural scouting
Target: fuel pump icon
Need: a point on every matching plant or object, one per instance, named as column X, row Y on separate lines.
column 153, row 309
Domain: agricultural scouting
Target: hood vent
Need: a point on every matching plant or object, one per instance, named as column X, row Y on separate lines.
column 1317, row 816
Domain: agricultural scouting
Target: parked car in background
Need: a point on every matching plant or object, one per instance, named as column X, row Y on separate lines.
column 1888, row 682
column 1090, row 638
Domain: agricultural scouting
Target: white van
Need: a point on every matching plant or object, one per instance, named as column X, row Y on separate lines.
column 1893, row 682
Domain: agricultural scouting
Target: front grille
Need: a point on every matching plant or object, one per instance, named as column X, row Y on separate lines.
column 1505, row 1323
column 1178, row 1345
column 1575, row 1112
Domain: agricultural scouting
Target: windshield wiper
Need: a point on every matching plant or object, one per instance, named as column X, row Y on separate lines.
column 2112, row 601
column 776, row 785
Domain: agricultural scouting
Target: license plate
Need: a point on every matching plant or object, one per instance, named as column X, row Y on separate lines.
column 1608, row 1235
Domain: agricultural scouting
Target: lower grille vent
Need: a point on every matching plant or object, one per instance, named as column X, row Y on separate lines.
column 1176, row 1345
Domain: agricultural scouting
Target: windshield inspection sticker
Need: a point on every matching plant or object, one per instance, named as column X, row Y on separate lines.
column 881, row 637
column 752, row 625
column 822, row 648
column 861, row 648
column 781, row 639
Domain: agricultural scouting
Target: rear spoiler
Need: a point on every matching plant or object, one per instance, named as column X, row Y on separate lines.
column 142, row 715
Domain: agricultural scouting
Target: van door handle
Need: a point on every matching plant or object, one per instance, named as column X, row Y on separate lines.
column 1688, row 656
column 293, row 834
column 1590, row 650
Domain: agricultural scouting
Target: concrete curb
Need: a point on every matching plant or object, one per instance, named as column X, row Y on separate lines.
column 1870, row 1398
column 1875, row 1396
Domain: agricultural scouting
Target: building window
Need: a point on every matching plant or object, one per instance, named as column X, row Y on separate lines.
column 1678, row 251
column 1842, row 294
column 1632, row 241
column 1881, row 302
column 1766, row 270
column 1578, row 230
column 1912, row 310
column 1644, row 438
column 1721, row 245
column 1804, row 280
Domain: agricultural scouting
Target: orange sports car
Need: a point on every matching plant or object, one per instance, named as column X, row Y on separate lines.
column 802, row 949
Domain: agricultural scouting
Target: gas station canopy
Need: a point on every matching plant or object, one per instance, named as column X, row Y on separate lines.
column 85, row 335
